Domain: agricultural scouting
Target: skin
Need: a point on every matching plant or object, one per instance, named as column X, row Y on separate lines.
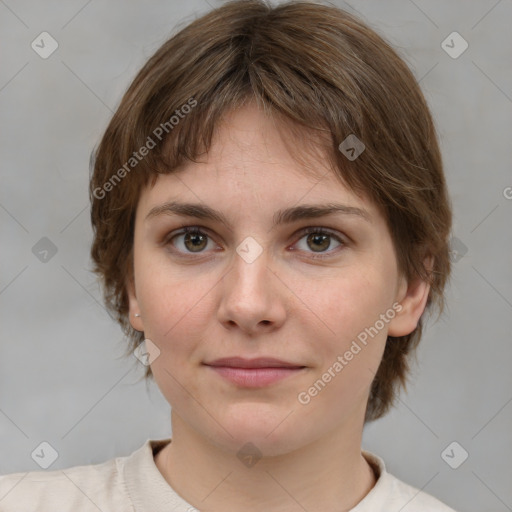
column 200, row 306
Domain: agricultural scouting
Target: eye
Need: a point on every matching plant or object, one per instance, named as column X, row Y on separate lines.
column 319, row 240
column 194, row 240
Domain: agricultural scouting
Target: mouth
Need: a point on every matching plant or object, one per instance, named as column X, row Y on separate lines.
column 254, row 373
column 259, row 362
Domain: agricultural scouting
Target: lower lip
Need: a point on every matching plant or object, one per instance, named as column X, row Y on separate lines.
column 255, row 377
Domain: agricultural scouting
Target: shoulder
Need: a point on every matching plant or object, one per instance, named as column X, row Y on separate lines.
column 79, row 488
column 413, row 499
column 390, row 493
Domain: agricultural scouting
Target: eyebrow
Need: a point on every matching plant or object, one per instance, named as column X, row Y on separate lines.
column 285, row 216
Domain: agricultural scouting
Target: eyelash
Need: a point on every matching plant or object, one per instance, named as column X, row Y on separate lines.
column 196, row 230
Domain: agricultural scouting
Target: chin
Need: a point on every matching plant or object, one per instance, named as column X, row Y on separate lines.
column 272, row 434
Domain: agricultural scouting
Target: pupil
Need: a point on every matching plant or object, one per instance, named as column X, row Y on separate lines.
column 316, row 238
column 195, row 239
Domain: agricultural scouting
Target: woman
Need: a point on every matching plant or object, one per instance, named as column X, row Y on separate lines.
column 271, row 222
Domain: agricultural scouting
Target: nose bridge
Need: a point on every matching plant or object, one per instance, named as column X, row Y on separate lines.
column 250, row 266
column 249, row 297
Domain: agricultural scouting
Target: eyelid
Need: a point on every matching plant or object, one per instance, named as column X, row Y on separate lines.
column 185, row 229
column 326, row 231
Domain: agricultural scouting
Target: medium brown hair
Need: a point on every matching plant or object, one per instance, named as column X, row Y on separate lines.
column 324, row 72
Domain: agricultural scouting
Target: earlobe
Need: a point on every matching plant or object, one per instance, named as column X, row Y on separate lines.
column 413, row 298
column 133, row 309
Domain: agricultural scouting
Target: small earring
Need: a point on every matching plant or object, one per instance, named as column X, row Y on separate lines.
column 136, row 314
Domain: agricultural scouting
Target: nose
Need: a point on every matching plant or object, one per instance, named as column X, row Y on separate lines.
column 253, row 297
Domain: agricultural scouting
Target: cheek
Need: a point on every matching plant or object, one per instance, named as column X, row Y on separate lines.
column 353, row 301
column 175, row 313
column 354, row 334
column 167, row 294
column 166, row 305
column 349, row 360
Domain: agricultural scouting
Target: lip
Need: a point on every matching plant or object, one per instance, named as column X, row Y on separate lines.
column 259, row 362
column 254, row 373
column 255, row 377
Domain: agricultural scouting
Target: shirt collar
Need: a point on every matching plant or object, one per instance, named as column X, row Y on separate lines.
column 149, row 490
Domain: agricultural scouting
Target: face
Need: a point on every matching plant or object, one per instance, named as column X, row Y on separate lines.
column 302, row 290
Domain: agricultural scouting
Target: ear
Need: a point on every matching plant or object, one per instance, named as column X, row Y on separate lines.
column 412, row 297
column 135, row 321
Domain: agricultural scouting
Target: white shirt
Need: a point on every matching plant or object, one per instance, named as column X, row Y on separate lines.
column 133, row 483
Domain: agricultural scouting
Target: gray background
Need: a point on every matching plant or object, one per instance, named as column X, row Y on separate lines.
column 62, row 376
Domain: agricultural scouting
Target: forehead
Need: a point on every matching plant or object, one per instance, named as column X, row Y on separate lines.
column 255, row 161
column 249, row 137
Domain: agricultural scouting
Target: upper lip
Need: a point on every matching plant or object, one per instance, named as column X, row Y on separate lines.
column 259, row 362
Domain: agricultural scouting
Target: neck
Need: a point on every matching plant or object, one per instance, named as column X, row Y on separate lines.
column 329, row 474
